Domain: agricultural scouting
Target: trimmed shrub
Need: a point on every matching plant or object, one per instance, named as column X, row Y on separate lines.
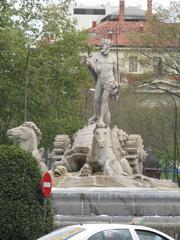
column 21, row 201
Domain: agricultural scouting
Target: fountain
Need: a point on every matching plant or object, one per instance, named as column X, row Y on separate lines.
column 100, row 177
column 104, row 180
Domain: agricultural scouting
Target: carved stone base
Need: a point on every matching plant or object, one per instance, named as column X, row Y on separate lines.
column 109, row 181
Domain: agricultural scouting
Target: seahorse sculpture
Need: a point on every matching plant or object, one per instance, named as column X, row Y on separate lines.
column 28, row 136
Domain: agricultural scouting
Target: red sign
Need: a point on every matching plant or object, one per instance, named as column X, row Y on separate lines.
column 46, row 185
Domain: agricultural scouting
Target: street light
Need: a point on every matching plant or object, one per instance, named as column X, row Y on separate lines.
column 115, row 31
column 175, row 138
column 30, row 49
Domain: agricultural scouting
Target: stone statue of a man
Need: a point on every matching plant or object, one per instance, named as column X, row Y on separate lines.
column 103, row 67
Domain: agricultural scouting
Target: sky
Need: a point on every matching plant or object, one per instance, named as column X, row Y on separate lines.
column 143, row 3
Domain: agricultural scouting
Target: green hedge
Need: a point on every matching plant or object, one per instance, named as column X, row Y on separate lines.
column 21, row 201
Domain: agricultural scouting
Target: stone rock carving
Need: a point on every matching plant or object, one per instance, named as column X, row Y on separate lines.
column 103, row 67
column 135, row 153
column 28, row 136
column 99, row 151
column 61, row 144
column 75, row 158
column 119, row 150
column 137, row 180
column 122, row 136
column 60, row 171
column 102, row 157
column 86, row 170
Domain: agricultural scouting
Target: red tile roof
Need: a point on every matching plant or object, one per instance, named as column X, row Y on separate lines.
column 121, row 29
column 118, row 29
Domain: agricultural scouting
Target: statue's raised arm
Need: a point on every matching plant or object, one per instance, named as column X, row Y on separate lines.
column 92, row 66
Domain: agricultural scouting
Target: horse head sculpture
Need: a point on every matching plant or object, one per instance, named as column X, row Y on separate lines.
column 28, row 136
column 101, row 135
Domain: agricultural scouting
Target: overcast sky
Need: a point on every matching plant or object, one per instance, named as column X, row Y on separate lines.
column 143, row 3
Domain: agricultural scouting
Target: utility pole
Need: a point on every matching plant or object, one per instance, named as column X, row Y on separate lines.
column 115, row 32
column 175, row 139
column 30, row 49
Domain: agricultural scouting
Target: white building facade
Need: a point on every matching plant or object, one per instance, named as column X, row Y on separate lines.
column 86, row 16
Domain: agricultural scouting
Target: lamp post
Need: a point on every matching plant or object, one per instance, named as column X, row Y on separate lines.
column 30, row 49
column 115, row 32
column 175, row 137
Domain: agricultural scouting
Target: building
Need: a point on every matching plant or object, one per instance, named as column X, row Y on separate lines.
column 86, row 16
column 117, row 26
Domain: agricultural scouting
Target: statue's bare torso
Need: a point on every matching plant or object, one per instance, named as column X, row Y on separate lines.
column 105, row 66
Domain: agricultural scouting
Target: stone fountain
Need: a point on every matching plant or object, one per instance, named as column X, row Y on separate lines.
column 99, row 178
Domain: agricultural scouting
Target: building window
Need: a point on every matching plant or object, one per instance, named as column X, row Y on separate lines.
column 89, row 11
column 133, row 64
column 157, row 64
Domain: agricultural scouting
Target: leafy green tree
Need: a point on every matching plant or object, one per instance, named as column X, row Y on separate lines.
column 161, row 36
column 21, row 201
column 27, row 16
column 55, row 75
column 22, row 14
column 5, row 13
column 50, row 73
column 12, row 82
column 161, row 62
column 151, row 116
column 13, row 59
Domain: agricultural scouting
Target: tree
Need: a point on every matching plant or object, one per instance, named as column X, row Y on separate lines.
column 158, row 50
column 12, row 55
column 51, row 74
column 23, row 14
column 5, row 13
column 56, row 75
column 21, row 201
column 151, row 117
column 161, row 37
